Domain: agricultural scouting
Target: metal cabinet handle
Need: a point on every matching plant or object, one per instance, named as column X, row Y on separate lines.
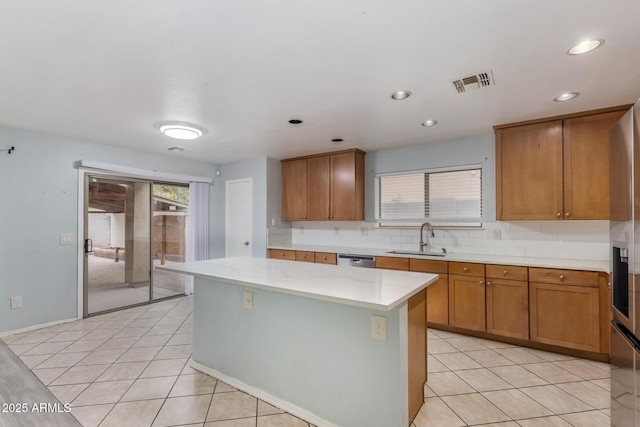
column 465, row 269
column 488, row 283
column 481, row 282
column 246, row 243
column 568, row 214
column 505, row 272
column 561, row 277
column 324, row 257
column 558, row 214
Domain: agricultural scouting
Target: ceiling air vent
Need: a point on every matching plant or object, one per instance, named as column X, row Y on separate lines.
column 177, row 148
column 477, row 81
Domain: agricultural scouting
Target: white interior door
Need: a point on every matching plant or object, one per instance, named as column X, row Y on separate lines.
column 238, row 217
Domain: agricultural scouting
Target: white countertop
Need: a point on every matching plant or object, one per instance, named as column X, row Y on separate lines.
column 570, row 264
column 363, row 287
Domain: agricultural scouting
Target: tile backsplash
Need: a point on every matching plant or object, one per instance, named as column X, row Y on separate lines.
column 549, row 239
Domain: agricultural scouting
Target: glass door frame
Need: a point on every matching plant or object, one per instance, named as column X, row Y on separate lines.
column 83, row 293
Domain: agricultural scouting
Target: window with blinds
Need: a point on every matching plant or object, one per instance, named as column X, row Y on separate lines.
column 444, row 198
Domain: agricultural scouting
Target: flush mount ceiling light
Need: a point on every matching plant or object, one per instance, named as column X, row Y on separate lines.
column 295, row 121
column 585, row 46
column 180, row 130
column 400, row 95
column 429, row 122
column 566, row 96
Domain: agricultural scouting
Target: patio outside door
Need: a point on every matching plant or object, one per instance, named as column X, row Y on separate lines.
column 130, row 225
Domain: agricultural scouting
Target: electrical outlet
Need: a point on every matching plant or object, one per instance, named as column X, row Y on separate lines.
column 248, row 300
column 301, row 230
column 497, row 234
column 66, row 239
column 16, row 302
column 379, row 327
column 364, row 231
column 336, row 231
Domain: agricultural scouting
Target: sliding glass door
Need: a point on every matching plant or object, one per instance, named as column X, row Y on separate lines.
column 131, row 225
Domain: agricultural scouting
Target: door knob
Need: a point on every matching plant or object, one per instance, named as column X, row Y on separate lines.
column 246, row 243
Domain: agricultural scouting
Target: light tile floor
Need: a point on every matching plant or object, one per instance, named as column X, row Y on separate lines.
column 130, row 368
column 474, row 382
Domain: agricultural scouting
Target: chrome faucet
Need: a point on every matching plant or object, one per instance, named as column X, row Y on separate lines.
column 424, row 243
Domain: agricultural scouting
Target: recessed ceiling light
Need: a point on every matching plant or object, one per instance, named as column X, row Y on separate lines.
column 585, row 46
column 566, row 96
column 180, row 130
column 295, row 121
column 429, row 122
column 337, row 140
column 400, row 95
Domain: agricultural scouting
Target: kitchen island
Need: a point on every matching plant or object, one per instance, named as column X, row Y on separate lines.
column 311, row 338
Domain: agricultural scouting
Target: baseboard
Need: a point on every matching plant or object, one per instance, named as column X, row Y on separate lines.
column 34, row 327
column 263, row 395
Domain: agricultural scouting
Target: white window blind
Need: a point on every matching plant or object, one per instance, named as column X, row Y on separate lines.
column 444, row 198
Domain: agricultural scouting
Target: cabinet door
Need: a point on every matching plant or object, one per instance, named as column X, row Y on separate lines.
column 343, row 187
column 508, row 308
column 325, row 258
column 565, row 315
column 319, row 181
column 586, row 166
column 294, row 190
column 438, row 301
column 529, row 172
column 282, row 254
column 467, row 302
column 392, row 263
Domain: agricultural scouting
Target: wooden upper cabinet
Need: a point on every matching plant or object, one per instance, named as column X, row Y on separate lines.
column 294, row 190
column 586, row 165
column 555, row 169
column 333, row 187
column 529, row 172
column 319, row 188
column 347, row 186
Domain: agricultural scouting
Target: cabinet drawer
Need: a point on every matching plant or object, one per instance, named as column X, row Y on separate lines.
column 466, row 269
column 325, row 258
column 428, row 266
column 509, row 272
column 305, row 256
column 392, row 263
column 573, row 277
column 282, row 254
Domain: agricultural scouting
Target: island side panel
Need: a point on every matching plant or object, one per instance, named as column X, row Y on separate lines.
column 314, row 354
column 417, row 351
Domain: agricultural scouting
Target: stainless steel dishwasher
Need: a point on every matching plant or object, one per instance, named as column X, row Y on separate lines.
column 362, row 261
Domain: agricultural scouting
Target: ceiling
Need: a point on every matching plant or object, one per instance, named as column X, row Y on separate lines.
column 108, row 72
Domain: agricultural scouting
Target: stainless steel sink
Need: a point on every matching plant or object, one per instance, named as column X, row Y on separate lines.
column 440, row 253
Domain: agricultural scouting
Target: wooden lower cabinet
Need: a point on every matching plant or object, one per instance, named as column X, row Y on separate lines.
column 305, row 256
column 325, row 258
column 467, row 302
column 565, row 315
column 508, row 308
column 392, row 263
column 417, row 350
column 438, row 292
column 282, row 254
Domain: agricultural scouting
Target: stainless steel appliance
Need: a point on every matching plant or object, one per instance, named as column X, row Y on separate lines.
column 625, row 269
column 364, row 261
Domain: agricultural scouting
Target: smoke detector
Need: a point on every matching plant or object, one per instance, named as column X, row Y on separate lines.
column 474, row 82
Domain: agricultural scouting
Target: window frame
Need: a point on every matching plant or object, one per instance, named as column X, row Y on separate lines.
column 406, row 223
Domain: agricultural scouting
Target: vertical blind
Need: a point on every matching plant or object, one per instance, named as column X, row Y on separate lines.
column 449, row 198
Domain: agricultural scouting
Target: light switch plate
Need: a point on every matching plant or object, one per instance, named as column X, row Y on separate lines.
column 66, row 239
column 16, row 302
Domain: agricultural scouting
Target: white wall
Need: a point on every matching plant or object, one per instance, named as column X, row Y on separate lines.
column 39, row 197
column 266, row 201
